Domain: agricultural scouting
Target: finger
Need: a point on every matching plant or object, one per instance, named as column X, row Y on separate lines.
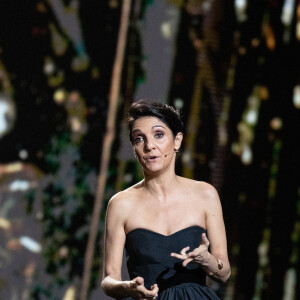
column 187, row 261
column 193, row 255
column 139, row 280
column 204, row 240
column 143, row 293
column 183, row 251
column 179, row 256
column 155, row 289
column 155, row 292
column 150, row 294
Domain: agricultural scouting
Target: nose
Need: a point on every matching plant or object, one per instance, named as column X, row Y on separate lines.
column 149, row 144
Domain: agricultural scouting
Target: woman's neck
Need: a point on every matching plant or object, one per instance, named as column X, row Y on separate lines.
column 161, row 185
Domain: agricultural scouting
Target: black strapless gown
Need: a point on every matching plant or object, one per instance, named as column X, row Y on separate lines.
column 148, row 256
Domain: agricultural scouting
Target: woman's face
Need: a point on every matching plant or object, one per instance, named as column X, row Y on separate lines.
column 154, row 144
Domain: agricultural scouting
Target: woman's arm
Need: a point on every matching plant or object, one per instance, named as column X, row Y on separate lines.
column 215, row 263
column 114, row 240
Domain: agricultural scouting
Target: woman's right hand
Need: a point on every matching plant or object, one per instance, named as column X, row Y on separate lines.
column 138, row 291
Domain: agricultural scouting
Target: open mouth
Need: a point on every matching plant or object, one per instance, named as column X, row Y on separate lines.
column 152, row 157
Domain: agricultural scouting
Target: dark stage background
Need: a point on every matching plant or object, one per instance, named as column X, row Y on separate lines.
column 232, row 67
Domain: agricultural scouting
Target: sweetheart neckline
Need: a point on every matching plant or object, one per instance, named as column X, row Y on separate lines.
column 163, row 235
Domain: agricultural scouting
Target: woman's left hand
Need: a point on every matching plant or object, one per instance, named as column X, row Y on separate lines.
column 198, row 255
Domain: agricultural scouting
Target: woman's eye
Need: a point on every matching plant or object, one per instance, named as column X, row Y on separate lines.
column 159, row 135
column 138, row 139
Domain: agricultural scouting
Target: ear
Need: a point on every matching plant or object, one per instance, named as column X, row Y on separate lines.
column 178, row 140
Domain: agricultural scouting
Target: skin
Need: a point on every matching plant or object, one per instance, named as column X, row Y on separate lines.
column 164, row 203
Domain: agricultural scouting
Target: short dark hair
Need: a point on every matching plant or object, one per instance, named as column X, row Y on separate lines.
column 148, row 108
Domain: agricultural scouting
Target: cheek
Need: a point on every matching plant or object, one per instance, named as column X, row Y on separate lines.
column 165, row 143
column 137, row 153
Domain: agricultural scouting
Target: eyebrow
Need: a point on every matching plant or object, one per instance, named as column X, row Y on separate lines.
column 158, row 126
column 155, row 126
column 135, row 130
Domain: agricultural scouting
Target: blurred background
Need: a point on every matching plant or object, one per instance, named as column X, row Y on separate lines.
column 69, row 70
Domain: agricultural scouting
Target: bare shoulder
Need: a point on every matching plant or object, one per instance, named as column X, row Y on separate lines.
column 201, row 189
column 199, row 186
column 207, row 190
column 124, row 200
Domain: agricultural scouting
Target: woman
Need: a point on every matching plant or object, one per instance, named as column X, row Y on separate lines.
column 172, row 227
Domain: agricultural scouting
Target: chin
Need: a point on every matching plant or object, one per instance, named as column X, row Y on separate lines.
column 152, row 170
